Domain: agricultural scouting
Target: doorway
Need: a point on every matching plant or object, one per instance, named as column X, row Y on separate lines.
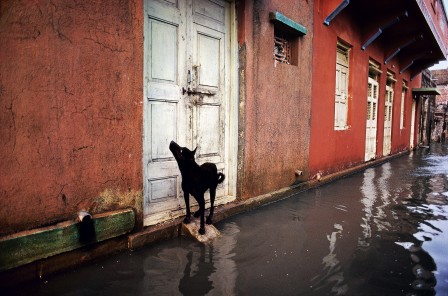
column 372, row 110
column 187, row 98
column 411, row 140
column 388, row 111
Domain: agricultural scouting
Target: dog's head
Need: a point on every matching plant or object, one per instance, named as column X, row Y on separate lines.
column 182, row 155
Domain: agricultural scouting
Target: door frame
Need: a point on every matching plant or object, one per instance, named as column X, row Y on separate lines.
column 231, row 124
column 373, row 77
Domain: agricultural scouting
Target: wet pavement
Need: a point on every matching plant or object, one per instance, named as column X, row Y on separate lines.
column 383, row 231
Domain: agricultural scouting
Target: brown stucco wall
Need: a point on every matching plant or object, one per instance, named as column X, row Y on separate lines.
column 70, row 109
column 275, row 103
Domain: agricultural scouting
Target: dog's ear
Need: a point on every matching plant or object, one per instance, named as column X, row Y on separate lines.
column 194, row 151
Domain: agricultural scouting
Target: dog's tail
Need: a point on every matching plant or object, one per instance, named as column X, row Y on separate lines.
column 221, row 177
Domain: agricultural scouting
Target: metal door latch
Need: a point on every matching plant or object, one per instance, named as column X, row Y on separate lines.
column 190, row 92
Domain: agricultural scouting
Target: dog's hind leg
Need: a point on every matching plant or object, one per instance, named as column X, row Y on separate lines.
column 201, row 202
column 212, row 205
column 187, row 207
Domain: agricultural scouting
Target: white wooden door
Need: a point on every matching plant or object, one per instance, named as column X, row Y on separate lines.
column 371, row 126
column 186, row 74
column 387, row 141
column 341, row 95
column 411, row 140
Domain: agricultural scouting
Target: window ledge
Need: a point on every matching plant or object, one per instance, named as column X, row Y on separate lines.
column 277, row 17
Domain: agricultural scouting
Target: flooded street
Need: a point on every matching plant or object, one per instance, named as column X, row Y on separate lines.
column 383, row 231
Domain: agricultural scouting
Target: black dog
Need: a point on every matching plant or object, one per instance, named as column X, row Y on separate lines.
column 195, row 181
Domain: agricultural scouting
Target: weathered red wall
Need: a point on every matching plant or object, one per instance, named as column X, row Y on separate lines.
column 70, row 109
column 277, row 99
column 438, row 16
column 333, row 150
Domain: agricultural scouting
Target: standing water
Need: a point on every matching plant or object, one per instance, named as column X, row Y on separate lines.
column 383, row 231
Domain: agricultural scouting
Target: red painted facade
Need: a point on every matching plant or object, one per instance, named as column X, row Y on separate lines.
column 333, row 150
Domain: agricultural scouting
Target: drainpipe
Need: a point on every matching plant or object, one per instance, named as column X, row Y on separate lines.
column 87, row 232
column 84, row 217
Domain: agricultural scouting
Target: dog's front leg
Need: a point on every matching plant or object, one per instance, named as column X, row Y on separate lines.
column 187, row 207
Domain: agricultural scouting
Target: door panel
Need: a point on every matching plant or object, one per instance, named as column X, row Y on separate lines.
column 208, row 123
column 209, row 60
column 210, row 10
column 163, row 188
column 211, row 13
column 163, row 128
column 163, row 51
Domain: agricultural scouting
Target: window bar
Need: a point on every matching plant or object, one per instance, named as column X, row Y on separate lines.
column 282, row 51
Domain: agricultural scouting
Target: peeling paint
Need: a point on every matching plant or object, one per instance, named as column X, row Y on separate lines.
column 111, row 199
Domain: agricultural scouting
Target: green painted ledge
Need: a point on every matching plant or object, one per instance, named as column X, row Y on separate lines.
column 426, row 91
column 279, row 18
column 28, row 246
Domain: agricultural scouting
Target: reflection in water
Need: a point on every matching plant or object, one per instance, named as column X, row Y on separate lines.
column 200, row 269
column 161, row 268
column 380, row 232
column 200, row 277
column 380, row 220
column 425, row 203
column 369, row 196
column 334, row 272
column 224, row 282
column 432, row 227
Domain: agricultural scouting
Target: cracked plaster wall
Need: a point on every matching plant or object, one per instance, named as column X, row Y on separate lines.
column 70, row 109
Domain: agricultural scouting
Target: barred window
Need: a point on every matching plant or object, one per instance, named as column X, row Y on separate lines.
column 286, row 47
